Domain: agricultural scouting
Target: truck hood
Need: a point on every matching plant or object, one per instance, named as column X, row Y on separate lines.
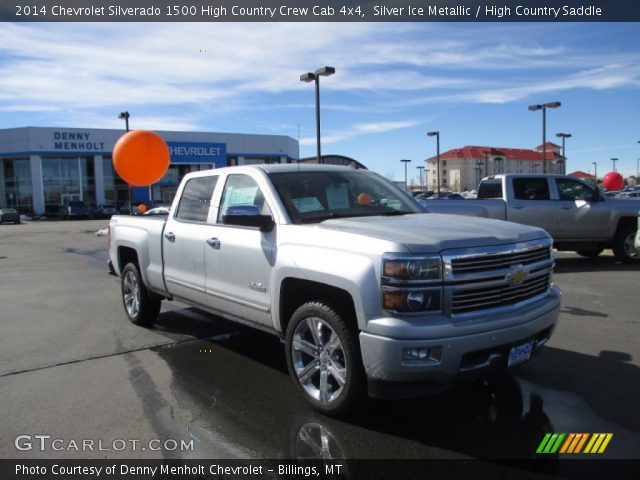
column 425, row 233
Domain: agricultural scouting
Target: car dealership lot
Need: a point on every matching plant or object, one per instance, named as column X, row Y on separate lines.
column 73, row 368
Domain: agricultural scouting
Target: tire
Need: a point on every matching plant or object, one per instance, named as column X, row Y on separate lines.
column 623, row 247
column 141, row 306
column 323, row 357
column 590, row 253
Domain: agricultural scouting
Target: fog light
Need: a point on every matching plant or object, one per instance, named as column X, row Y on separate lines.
column 415, row 353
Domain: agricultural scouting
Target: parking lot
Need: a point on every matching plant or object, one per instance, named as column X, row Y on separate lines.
column 74, row 368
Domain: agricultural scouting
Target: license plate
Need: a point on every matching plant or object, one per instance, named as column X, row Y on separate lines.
column 520, row 354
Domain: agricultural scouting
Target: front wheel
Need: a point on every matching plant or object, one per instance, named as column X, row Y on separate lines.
column 141, row 306
column 623, row 244
column 323, row 358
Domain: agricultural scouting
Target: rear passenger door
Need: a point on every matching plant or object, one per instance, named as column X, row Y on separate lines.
column 531, row 204
column 184, row 241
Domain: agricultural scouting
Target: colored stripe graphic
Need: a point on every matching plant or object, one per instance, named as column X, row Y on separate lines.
column 598, row 443
column 552, row 442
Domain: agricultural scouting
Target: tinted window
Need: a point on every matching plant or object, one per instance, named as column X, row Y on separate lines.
column 574, row 190
column 490, row 189
column 196, row 199
column 531, row 189
column 242, row 190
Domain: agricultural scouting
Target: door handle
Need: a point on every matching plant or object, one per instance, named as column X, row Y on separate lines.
column 170, row 236
column 214, row 243
column 566, row 207
column 517, row 206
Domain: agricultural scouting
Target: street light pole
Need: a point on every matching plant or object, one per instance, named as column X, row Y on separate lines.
column 544, row 107
column 595, row 173
column 315, row 77
column 437, row 135
column 125, row 116
column 614, row 160
column 405, row 161
column 420, row 170
column 564, row 136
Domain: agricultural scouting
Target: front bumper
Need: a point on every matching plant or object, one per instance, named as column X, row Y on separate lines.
column 461, row 349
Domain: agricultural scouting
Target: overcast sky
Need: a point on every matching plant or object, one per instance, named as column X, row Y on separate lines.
column 393, row 83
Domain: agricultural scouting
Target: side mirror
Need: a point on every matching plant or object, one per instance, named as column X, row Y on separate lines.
column 248, row 216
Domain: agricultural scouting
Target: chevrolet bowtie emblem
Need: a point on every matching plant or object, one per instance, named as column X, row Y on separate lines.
column 517, row 276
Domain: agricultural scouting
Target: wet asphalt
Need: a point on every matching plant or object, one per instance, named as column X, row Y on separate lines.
column 73, row 367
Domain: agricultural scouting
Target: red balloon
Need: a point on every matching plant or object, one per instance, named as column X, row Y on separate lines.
column 613, row 181
column 141, row 157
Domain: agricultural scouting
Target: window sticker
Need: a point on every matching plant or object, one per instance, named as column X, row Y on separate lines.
column 338, row 196
column 307, row 204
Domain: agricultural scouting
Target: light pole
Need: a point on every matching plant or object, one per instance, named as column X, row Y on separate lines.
column 125, row 116
column 564, row 136
column 614, row 160
column 315, row 77
column 420, row 170
column 437, row 135
column 544, row 107
column 405, row 161
column 595, row 174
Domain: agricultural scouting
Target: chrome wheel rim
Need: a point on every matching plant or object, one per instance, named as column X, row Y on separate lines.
column 629, row 246
column 131, row 294
column 319, row 360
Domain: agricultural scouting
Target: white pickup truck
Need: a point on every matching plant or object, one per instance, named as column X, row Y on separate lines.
column 366, row 290
column 577, row 215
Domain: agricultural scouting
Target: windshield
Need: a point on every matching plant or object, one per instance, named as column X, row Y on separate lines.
column 316, row 196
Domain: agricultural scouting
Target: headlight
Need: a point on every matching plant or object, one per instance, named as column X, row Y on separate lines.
column 411, row 283
column 406, row 301
column 411, row 268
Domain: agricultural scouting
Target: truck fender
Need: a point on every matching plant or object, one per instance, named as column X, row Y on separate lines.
column 355, row 274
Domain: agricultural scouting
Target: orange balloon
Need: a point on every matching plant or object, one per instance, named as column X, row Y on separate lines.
column 141, row 157
column 142, row 208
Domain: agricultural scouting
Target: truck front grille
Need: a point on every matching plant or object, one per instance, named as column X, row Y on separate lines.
column 491, row 297
column 482, row 279
column 499, row 261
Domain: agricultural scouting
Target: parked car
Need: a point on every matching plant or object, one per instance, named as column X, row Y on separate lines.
column 629, row 194
column 372, row 297
column 106, row 210
column 9, row 215
column 75, row 209
column 157, row 211
column 578, row 216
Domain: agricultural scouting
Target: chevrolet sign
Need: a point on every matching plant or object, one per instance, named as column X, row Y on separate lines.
column 198, row 152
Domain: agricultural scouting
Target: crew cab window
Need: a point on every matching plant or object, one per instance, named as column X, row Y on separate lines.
column 242, row 190
column 574, row 190
column 196, row 199
column 490, row 189
column 531, row 189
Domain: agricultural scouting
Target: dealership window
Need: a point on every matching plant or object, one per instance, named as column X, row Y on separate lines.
column 67, row 179
column 116, row 190
column 16, row 184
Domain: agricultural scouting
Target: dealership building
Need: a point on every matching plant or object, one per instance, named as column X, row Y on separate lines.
column 43, row 168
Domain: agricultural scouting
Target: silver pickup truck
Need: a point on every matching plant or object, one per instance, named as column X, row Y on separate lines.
column 367, row 291
column 577, row 215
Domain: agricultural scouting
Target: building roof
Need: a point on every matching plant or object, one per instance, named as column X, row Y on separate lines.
column 581, row 174
column 478, row 152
